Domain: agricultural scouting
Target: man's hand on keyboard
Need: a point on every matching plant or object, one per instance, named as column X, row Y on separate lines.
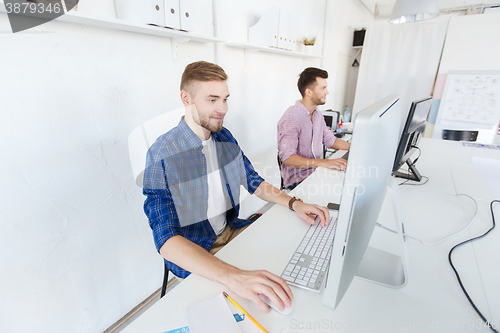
column 304, row 211
column 337, row 164
column 249, row 284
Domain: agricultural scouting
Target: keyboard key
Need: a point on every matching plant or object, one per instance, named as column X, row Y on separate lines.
column 310, row 232
column 301, row 282
column 313, row 251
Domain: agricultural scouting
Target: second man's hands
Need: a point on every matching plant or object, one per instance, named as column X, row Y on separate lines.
column 336, row 163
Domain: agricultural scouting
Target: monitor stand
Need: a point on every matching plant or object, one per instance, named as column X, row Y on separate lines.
column 383, row 267
column 413, row 173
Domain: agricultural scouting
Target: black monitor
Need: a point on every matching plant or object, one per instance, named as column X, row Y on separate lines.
column 328, row 121
column 414, row 127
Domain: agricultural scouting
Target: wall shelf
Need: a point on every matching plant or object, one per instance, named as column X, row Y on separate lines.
column 259, row 48
column 122, row 25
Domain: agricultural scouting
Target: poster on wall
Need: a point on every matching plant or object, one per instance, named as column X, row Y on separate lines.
column 472, row 98
column 470, row 101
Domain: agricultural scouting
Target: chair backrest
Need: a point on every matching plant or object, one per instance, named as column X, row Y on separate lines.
column 141, row 138
column 282, row 186
column 457, row 135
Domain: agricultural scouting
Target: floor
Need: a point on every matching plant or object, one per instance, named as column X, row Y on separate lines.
column 139, row 309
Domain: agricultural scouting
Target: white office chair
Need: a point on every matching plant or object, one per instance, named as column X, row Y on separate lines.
column 145, row 135
column 139, row 142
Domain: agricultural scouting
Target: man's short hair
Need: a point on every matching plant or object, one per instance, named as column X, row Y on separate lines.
column 201, row 71
column 307, row 78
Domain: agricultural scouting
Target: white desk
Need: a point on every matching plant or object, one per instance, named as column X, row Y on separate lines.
column 431, row 301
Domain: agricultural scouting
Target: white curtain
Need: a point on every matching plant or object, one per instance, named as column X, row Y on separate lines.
column 400, row 59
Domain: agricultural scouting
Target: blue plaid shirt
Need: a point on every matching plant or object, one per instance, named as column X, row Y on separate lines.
column 176, row 188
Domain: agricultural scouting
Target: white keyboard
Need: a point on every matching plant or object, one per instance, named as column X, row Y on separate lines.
column 308, row 266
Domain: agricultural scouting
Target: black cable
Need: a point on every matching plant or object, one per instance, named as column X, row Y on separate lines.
column 458, row 276
column 419, row 153
column 414, row 184
column 410, row 165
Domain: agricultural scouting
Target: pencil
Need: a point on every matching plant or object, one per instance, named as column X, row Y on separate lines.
column 243, row 310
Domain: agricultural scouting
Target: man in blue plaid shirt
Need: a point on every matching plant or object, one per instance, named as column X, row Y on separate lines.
column 192, row 182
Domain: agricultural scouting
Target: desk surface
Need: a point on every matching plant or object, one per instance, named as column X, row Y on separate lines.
column 432, row 301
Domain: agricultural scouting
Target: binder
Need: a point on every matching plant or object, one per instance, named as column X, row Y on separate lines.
column 283, row 35
column 186, row 8
column 265, row 31
column 172, row 14
column 157, row 12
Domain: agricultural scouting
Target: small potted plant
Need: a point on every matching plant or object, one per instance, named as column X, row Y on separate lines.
column 309, row 44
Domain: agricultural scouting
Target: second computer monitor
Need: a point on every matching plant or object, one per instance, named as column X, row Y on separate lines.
column 414, row 127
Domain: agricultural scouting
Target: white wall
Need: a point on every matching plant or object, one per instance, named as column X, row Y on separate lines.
column 472, row 43
column 76, row 249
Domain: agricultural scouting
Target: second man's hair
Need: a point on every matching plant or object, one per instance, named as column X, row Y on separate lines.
column 307, row 78
column 201, row 71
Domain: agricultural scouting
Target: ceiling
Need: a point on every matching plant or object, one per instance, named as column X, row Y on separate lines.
column 383, row 8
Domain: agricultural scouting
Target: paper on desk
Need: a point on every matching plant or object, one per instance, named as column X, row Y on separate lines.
column 246, row 325
column 176, row 327
column 212, row 315
column 488, row 169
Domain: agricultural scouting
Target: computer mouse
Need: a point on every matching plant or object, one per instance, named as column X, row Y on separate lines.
column 271, row 304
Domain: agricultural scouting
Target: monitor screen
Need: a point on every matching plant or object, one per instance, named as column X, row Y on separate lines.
column 410, row 136
column 365, row 184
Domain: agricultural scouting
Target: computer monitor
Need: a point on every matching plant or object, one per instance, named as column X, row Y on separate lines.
column 367, row 178
column 414, row 127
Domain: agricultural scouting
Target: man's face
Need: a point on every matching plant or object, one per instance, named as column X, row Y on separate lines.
column 210, row 104
column 319, row 91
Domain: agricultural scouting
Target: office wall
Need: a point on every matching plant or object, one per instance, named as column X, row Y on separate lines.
column 76, row 249
column 472, row 44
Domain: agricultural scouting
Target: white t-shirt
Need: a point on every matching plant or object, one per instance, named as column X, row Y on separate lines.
column 217, row 207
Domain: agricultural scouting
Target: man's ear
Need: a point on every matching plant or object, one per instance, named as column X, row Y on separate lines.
column 185, row 98
column 308, row 92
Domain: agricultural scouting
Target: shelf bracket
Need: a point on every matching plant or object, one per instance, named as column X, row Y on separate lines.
column 175, row 41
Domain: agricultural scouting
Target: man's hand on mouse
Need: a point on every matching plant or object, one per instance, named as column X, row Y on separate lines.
column 249, row 284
